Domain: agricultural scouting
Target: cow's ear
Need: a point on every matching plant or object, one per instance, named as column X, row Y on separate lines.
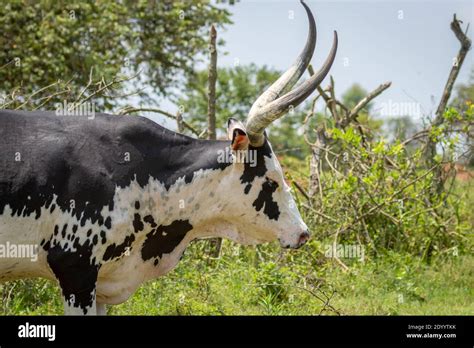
column 237, row 135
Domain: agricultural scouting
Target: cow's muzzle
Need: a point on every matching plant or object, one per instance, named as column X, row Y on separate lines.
column 302, row 239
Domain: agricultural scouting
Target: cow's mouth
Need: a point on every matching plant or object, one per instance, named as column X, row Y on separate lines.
column 302, row 239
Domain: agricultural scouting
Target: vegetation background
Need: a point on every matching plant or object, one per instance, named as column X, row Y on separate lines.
column 361, row 182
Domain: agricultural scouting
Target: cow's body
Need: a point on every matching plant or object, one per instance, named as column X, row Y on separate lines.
column 118, row 199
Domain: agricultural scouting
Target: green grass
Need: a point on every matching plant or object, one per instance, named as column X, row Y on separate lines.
column 268, row 281
column 392, row 287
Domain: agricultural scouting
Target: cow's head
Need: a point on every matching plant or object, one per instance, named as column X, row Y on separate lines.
column 263, row 208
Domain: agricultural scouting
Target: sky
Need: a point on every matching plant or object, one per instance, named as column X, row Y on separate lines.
column 409, row 43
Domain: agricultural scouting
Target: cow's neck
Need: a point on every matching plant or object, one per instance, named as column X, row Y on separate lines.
column 180, row 201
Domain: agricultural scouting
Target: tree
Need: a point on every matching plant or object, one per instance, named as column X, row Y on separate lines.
column 353, row 95
column 42, row 42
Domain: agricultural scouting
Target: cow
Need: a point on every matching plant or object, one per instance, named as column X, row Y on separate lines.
column 114, row 201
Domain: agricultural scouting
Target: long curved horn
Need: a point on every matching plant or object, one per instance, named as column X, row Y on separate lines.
column 270, row 106
column 292, row 75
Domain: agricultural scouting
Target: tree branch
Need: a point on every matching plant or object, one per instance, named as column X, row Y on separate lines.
column 360, row 105
column 211, row 106
column 216, row 243
column 430, row 150
column 179, row 121
column 162, row 112
column 465, row 46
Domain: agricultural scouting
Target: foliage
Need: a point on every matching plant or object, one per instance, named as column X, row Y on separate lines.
column 379, row 195
column 43, row 42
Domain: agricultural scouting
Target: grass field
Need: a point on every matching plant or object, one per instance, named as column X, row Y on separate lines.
column 252, row 281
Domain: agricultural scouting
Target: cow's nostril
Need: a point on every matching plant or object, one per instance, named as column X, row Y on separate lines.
column 303, row 238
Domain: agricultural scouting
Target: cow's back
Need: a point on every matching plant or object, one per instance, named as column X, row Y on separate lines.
column 44, row 155
column 52, row 167
column 74, row 158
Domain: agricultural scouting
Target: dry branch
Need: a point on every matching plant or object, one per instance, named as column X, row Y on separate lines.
column 216, row 243
column 360, row 105
column 179, row 122
column 130, row 110
column 465, row 46
column 430, row 150
column 211, row 106
column 103, row 86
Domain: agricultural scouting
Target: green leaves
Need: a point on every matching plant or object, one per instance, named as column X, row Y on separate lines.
column 55, row 40
column 377, row 193
column 380, row 147
column 349, row 136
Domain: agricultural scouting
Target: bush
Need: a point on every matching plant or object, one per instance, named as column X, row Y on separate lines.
column 385, row 196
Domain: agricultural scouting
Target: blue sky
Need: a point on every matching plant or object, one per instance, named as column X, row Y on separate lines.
column 407, row 42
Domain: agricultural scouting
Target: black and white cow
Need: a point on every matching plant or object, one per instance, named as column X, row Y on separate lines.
column 114, row 201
